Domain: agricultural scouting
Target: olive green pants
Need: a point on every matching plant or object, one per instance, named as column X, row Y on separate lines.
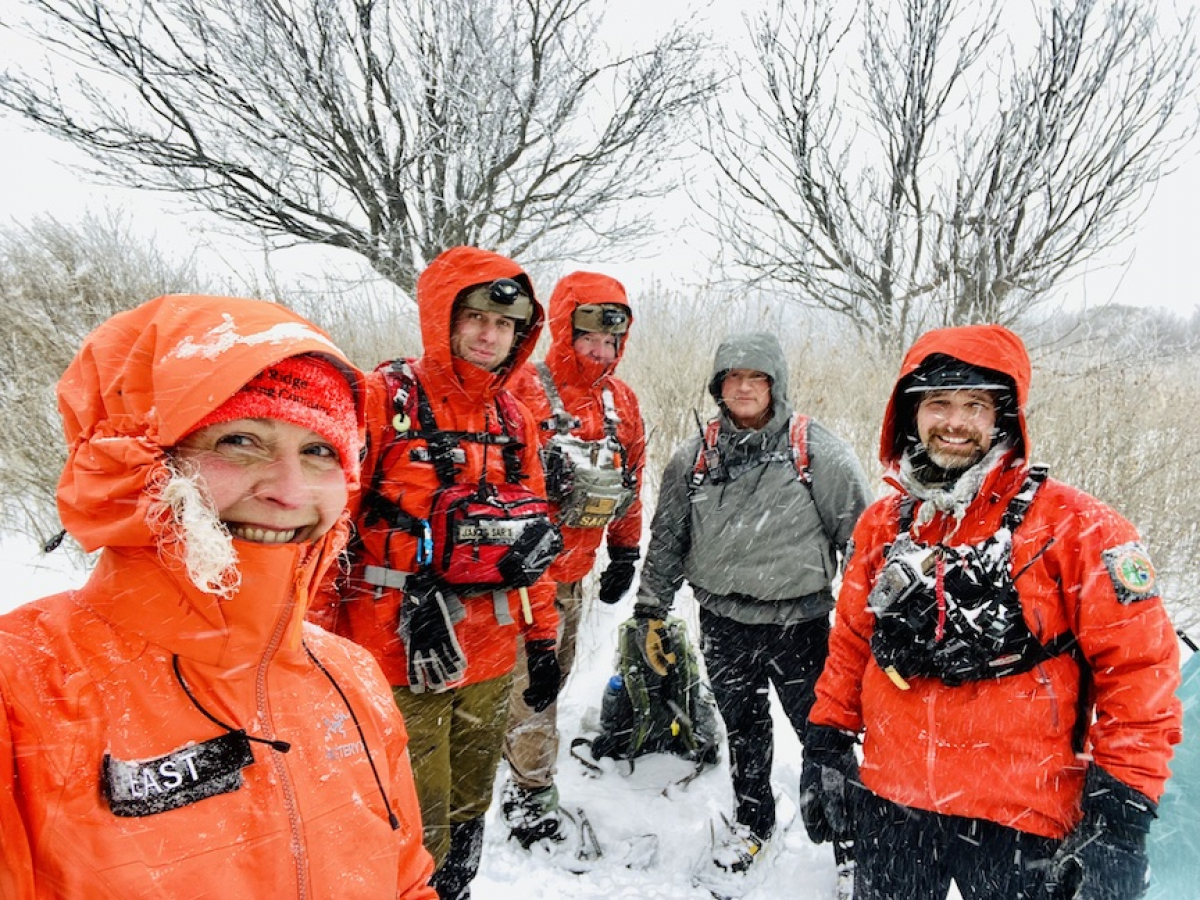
column 531, row 744
column 454, row 742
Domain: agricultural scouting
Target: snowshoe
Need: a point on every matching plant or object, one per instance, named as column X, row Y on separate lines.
column 638, row 852
column 843, row 855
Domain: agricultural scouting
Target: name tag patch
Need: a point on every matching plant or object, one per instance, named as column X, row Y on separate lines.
column 182, row 777
column 1131, row 572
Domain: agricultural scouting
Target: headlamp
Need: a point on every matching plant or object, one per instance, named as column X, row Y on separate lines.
column 608, row 318
column 503, row 296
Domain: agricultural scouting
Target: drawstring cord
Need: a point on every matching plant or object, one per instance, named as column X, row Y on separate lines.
column 284, row 746
column 940, row 594
column 281, row 746
column 387, row 804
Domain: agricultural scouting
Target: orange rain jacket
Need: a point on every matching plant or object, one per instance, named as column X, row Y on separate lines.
column 580, row 383
column 1002, row 749
column 88, row 674
column 462, row 398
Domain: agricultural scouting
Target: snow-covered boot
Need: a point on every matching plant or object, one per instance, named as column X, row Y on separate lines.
column 729, row 869
column 452, row 880
column 532, row 815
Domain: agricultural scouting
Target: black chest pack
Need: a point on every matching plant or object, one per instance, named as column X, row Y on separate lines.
column 478, row 537
column 589, row 481
column 953, row 612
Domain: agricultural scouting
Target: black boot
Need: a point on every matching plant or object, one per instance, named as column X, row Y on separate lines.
column 452, row 880
column 532, row 815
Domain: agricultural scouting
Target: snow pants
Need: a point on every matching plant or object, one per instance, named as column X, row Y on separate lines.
column 454, row 741
column 743, row 661
column 911, row 854
column 531, row 742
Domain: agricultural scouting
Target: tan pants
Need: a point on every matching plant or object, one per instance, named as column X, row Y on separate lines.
column 454, row 741
column 531, row 744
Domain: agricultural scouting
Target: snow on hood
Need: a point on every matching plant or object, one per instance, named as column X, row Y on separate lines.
column 139, row 384
column 987, row 346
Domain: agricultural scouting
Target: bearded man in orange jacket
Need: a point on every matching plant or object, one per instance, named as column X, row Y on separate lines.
column 174, row 728
column 593, row 445
column 453, row 538
column 1001, row 646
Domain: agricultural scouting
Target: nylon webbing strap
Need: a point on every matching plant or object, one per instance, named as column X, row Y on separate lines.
column 563, row 420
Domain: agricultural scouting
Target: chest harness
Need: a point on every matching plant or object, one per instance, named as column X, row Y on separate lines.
column 954, row 612
column 476, row 538
column 589, row 482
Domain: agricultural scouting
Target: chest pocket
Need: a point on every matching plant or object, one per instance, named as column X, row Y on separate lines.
column 953, row 612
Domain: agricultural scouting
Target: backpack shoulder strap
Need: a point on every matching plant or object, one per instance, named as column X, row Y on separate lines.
column 512, row 424
column 1019, row 505
column 706, row 454
column 798, row 436
column 560, row 420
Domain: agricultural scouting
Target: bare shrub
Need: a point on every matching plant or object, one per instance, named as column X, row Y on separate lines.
column 58, row 281
column 1124, row 431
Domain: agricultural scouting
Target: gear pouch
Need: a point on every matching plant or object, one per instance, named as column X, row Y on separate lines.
column 491, row 537
column 586, row 481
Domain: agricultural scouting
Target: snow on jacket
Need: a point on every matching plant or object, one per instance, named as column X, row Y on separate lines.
column 90, row 674
column 760, row 546
column 580, row 383
column 1002, row 749
column 462, row 397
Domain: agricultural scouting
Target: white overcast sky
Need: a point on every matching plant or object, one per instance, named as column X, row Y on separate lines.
column 1155, row 267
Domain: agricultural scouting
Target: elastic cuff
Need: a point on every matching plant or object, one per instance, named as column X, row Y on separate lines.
column 624, row 554
column 1124, row 811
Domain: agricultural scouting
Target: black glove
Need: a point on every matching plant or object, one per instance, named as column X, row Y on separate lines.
column 828, row 779
column 1104, row 858
column 435, row 658
column 545, row 675
column 616, row 579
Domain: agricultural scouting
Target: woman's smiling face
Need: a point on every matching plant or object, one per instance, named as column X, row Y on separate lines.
column 272, row 482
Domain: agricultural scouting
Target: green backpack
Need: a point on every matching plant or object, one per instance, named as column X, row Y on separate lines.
column 663, row 708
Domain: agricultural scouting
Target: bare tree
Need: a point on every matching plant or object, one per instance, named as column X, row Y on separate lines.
column 392, row 128
column 902, row 164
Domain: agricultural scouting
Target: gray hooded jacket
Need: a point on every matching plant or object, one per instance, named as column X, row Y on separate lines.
column 757, row 546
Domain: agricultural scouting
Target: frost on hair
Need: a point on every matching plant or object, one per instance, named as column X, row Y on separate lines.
column 189, row 528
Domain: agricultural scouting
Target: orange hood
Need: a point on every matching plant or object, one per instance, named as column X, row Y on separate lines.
column 438, row 286
column 571, row 292
column 986, row 346
column 141, row 382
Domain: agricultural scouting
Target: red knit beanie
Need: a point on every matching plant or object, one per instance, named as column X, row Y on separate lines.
column 305, row 390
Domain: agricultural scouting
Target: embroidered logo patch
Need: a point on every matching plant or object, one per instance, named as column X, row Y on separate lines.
column 1131, row 572
column 192, row 773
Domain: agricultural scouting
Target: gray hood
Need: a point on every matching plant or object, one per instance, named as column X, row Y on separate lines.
column 758, row 350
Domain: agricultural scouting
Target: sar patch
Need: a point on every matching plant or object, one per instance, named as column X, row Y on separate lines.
column 185, row 776
column 1131, row 572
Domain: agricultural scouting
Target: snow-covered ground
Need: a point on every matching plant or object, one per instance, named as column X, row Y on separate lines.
column 618, row 803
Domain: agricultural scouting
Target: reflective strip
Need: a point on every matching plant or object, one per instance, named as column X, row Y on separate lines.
column 500, row 606
column 383, row 577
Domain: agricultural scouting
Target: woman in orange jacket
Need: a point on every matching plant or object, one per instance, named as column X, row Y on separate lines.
column 174, row 728
column 1001, row 646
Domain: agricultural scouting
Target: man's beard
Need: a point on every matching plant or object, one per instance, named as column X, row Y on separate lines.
column 941, row 470
column 951, row 463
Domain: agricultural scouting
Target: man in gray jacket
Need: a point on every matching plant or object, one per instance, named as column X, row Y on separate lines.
column 755, row 514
